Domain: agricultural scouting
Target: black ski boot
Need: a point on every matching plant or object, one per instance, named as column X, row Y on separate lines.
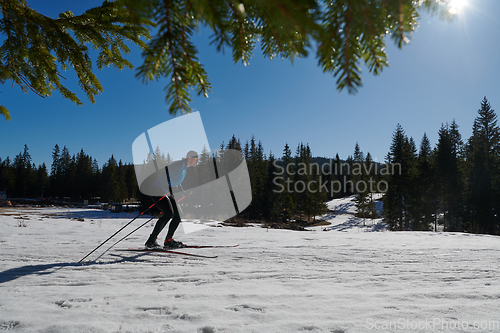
column 171, row 244
column 152, row 244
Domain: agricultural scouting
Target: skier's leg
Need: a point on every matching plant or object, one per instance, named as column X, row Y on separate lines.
column 162, row 221
column 176, row 219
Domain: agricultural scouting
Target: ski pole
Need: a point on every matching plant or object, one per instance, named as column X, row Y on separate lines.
column 142, row 225
column 139, row 227
column 120, row 229
column 109, row 248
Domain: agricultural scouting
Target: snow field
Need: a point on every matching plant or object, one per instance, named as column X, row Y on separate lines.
column 275, row 281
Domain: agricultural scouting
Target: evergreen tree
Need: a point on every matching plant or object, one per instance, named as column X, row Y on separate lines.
column 96, row 179
column 300, row 177
column 398, row 206
column 7, row 178
column 258, row 173
column 359, row 179
column 30, row 173
column 83, row 176
column 122, row 186
column 56, row 173
column 394, row 199
column 449, row 177
column 358, row 156
column 370, row 210
column 483, row 153
column 20, row 175
column 112, row 182
column 309, row 200
column 42, row 180
column 272, row 205
column 286, row 196
column 338, row 178
column 426, row 205
column 24, row 173
column 234, row 144
column 132, row 188
column 66, row 165
column 410, row 191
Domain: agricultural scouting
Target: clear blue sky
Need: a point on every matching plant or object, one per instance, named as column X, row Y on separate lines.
column 442, row 75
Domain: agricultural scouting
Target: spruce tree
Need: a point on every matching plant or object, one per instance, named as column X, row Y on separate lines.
column 359, row 180
column 449, row 177
column 300, row 178
column 370, row 178
column 409, row 169
column 272, row 203
column 55, row 173
column 7, row 178
column 425, row 191
column 287, row 197
column 22, row 168
column 132, row 188
column 258, row 173
column 66, row 163
column 42, row 180
column 394, row 199
column 483, row 151
column 400, row 207
column 338, row 178
column 113, row 184
column 85, row 174
column 234, row 143
column 96, row 179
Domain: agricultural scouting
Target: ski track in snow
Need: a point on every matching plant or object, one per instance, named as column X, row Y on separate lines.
column 275, row 281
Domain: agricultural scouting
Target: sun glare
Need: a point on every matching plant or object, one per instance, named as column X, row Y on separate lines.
column 456, row 6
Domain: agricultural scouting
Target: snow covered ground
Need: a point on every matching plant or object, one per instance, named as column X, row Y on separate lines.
column 275, row 281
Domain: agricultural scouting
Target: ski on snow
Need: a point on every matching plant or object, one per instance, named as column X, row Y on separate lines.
column 175, row 251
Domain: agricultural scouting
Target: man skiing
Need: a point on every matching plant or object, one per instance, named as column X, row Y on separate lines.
column 175, row 173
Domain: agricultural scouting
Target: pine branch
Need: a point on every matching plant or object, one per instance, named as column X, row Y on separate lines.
column 175, row 69
column 37, row 48
column 36, row 45
column 347, row 69
column 375, row 61
column 4, row 112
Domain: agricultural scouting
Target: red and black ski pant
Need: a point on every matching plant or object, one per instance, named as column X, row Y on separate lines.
column 170, row 211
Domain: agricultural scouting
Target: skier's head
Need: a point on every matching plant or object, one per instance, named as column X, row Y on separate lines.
column 192, row 158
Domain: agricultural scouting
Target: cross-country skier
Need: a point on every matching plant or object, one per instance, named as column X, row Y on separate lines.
column 176, row 172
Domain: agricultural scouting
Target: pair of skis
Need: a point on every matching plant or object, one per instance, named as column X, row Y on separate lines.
column 150, row 250
column 176, row 251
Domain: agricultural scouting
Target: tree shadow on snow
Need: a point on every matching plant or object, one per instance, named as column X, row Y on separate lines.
column 344, row 208
column 96, row 214
column 46, row 269
column 354, row 222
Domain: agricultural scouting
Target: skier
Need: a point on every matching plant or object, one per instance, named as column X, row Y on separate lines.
column 176, row 172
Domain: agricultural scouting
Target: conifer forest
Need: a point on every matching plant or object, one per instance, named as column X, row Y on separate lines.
column 452, row 186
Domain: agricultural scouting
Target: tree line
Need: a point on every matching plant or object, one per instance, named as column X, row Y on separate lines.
column 295, row 186
column 456, row 184
column 79, row 177
column 76, row 177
